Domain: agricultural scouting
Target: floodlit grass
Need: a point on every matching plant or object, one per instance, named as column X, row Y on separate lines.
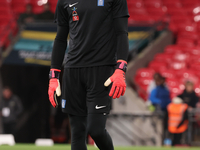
column 67, row 147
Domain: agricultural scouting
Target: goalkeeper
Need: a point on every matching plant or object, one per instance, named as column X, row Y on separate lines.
column 98, row 50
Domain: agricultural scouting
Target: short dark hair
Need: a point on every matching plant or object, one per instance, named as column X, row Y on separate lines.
column 188, row 82
column 29, row 5
column 157, row 74
column 7, row 88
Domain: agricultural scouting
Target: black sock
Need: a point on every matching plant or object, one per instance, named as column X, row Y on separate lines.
column 96, row 129
column 78, row 132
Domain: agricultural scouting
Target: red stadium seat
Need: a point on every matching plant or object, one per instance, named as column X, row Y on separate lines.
column 157, row 65
column 192, row 10
column 54, row 2
column 190, row 27
column 189, row 35
column 185, row 42
column 37, row 2
column 194, row 59
column 143, row 81
column 181, row 19
column 5, row 10
column 175, row 91
column 185, row 57
column 195, row 66
column 19, row 9
column 197, row 89
column 196, row 18
column 172, row 4
column 138, row 11
column 153, row 1
column 38, row 9
column 197, row 72
column 4, row 39
column 147, row 19
column 19, row 2
column 193, row 51
column 142, row 92
column 165, row 57
column 152, row 4
column 177, row 65
column 192, row 78
column 191, row 3
column 172, row 82
column 4, row 3
column 185, row 73
column 171, row 49
column 53, row 9
column 169, row 74
column 145, row 72
column 176, row 11
column 164, row 1
column 183, row 26
column 135, row 4
column 157, row 11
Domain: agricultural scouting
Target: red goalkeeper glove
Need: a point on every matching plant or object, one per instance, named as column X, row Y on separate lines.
column 54, row 86
column 118, row 79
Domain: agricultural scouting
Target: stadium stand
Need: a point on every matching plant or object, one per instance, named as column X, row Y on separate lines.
column 9, row 13
column 182, row 58
column 177, row 63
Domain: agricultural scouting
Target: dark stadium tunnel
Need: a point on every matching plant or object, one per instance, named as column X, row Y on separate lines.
column 30, row 84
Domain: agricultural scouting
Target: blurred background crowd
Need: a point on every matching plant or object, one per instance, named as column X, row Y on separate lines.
column 161, row 105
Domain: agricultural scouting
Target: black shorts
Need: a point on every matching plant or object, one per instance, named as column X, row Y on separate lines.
column 83, row 90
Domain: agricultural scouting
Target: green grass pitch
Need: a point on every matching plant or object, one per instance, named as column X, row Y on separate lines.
column 67, row 147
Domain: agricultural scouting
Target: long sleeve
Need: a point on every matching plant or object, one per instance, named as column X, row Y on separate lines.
column 196, row 100
column 185, row 117
column 121, row 30
column 59, row 47
column 153, row 97
column 19, row 107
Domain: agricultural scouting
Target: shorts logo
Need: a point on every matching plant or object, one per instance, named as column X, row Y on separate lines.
column 63, row 103
column 75, row 16
column 100, row 2
column 99, row 107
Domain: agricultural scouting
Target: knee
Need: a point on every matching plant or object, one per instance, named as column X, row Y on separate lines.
column 78, row 131
column 96, row 132
column 79, row 128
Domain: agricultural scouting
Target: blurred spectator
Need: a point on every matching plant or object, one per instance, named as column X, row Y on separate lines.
column 10, row 109
column 160, row 96
column 197, row 115
column 152, row 85
column 189, row 96
column 28, row 16
column 177, row 119
column 46, row 14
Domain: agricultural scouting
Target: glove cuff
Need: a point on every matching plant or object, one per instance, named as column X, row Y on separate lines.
column 54, row 73
column 122, row 65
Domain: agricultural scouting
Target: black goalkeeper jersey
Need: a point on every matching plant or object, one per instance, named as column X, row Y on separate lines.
column 91, row 31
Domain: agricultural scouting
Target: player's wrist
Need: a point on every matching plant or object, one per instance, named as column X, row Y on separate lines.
column 54, row 73
column 122, row 65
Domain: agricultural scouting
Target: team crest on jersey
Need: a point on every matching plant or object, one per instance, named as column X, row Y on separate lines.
column 75, row 16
